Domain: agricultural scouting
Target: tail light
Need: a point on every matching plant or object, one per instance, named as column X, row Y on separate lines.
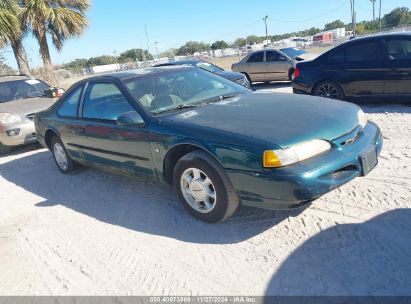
column 296, row 72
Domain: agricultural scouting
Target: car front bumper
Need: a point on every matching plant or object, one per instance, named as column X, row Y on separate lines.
column 295, row 185
column 18, row 133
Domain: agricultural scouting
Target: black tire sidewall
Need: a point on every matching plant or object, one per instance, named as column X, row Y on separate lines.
column 220, row 210
column 4, row 150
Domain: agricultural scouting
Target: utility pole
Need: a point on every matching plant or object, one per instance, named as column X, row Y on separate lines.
column 266, row 28
column 158, row 57
column 352, row 2
column 373, row 10
column 380, row 17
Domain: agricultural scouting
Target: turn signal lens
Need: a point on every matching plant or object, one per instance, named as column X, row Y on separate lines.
column 271, row 160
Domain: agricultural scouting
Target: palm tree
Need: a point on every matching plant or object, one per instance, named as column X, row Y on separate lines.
column 11, row 32
column 62, row 19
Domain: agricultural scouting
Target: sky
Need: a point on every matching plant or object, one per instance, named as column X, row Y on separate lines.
column 118, row 25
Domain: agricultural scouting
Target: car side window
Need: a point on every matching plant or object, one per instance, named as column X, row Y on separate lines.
column 257, row 57
column 398, row 49
column 104, row 101
column 69, row 106
column 337, row 56
column 362, row 51
column 271, row 56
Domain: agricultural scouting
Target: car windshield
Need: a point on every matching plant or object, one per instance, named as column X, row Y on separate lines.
column 181, row 88
column 292, row 52
column 21, row 89
column 209, row 67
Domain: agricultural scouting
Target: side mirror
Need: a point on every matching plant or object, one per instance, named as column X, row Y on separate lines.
column 282, row 58
column 130, row 119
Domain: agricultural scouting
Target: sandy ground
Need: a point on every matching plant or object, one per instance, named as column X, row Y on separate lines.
column 96, row 233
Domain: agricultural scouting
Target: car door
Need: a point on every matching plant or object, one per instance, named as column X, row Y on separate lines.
column 68, row 113
column 358, row 67
column 275, row 66
column 397, row 61
column 255, row 66
column 102, row 141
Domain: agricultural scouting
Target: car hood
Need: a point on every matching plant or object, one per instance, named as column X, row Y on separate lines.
column 231, row 75
column 23, row 107
column 276, row 118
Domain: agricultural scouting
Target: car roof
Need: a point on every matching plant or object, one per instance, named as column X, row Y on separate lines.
column 7, row 78
column 381, row 35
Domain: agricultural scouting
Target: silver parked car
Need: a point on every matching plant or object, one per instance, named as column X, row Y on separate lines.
column 20, row 98
column 266, row 66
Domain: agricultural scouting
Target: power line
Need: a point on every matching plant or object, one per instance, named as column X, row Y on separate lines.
column 313, row 18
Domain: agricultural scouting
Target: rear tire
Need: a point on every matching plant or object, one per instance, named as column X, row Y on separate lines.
column 203, row 188
column 248, row 77
column 329, row 89
column 4, row 149
column 63, row 161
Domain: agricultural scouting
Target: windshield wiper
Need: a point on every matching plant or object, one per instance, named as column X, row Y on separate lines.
column 186, row 106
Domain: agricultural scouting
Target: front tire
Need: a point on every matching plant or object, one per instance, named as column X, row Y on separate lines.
column 4, row 149
column 329, row 89
column 63, row 161
column 203, row 188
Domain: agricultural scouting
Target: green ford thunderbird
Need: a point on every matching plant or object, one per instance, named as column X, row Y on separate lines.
column 218, row 143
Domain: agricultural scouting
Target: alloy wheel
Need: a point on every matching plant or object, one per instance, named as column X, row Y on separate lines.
column 60, row 156
column 328, row 90
column 198, row 190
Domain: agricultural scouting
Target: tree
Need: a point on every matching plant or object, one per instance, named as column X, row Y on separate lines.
column 62, row 19
column 219, row 45
column 11, row 33
column 134, row 55
column 333, row 25
column 254, row 39
column 192, row 47
column 398, row 16
column 240, row 42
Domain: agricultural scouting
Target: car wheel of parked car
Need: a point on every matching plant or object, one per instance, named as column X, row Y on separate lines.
column 248, row 77
column 204, row 188
column 329, row 89
column 63, row 161
column 4, row 149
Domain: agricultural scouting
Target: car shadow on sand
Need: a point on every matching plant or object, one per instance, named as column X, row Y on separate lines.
column 137, row 205
column 366, row 259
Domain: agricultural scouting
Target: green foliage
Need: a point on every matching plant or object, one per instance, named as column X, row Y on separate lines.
column 254, row 39
column 134, row 55
column 192, row 47
column 218, row 45
column 334, row 25
column 239, row 42
column 398, row 16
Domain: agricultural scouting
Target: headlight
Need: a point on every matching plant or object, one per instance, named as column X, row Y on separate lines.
column 8, row 118
column 295, row 154
column 362, row 119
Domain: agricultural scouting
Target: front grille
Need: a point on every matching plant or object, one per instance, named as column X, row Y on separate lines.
column 30, row 116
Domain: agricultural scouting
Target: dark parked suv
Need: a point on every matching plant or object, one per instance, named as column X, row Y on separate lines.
column 375, row 67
